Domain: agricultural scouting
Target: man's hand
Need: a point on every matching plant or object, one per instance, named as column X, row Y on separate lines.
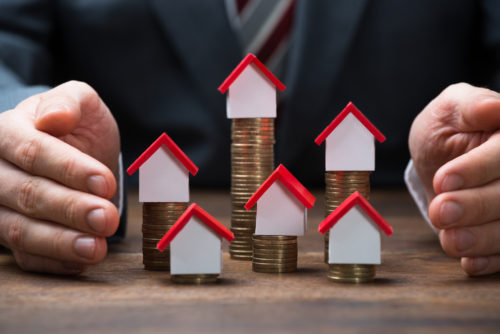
column 58, row 152
column 455, row 146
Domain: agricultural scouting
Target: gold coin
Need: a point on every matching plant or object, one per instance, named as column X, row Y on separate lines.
column 194, row 279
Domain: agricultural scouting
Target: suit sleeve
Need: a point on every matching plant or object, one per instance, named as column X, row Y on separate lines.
column 490, row 29
column 25, row 60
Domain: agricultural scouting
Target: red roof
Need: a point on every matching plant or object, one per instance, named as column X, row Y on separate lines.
column 350, row 108
column 289, row 181
column 204, row 216
column 164, row 139
column 342, row 209
column 249, row 59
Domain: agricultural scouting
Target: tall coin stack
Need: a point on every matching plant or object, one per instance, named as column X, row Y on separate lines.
column 252, row 161
column 339, row 186
column 274, row 254
column 157, row 219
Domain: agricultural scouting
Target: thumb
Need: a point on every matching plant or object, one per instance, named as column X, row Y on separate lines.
column 57, row 115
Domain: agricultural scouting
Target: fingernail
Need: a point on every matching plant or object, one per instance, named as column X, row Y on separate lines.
column 85, row 247
column 51, row 108
column 480, row 263
column 97, row 185
column 464, row 240
column 452, row 182
column 449, row 213
column 96, row 220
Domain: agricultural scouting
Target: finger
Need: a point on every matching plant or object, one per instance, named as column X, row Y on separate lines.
column 44, row 155
column 42, row 198
column 468, row 207
column 469, row 108
column 40, row 264
column 477, row 167
column 45, row 239
column 474, row 241
column 476, row 266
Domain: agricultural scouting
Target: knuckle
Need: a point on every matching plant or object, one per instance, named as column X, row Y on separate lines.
column 16, row 232
column 481, row 205
column 57, row 245
column 70, row 211
column 26, row 155
column 68, row 171
column 26, row 198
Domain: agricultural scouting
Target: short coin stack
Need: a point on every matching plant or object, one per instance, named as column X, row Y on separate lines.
column 339, row 186
column 157, row 219
column 274, row 254
column 252, row 161
column 194, row 278
column 351, row 273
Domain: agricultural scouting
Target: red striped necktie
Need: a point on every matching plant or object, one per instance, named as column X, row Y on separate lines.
column 264, row 28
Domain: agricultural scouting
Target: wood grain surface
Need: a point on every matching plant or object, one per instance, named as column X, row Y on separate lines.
column 418, row 289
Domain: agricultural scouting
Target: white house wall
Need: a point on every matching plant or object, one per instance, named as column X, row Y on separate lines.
column 354, row 239
column 251, row 95
column 350, row 147
column 280, row 213
column 196, row 250
column 163, row 178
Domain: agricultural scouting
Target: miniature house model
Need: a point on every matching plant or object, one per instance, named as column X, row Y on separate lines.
column 354, row 232
column 163, row 172
column 252, row 90
column 282, row 203
column 195, row 243
column 350, row 141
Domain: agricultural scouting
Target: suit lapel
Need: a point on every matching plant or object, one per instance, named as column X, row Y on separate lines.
column 322, row 37
column 206, row 44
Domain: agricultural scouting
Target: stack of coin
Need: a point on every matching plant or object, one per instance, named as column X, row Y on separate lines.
column 351, row 273
column 157, row 219
column 194, row 278
column 252, row 161
column 339, row 186
column 274, row 254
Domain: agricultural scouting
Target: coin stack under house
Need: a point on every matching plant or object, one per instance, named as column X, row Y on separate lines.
column 157, row 219
column 252, row 161
column 194, row 278
column 274, row 254
column 339, row 186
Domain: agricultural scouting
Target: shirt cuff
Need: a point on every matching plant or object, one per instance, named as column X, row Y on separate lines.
column 117, row 199
column 417, row 192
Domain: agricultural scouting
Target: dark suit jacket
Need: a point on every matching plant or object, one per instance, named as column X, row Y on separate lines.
column 158, row 63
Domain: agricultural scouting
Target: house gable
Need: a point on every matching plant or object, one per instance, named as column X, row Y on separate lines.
column 163, row 178
column 354, row 239
column 351, row 147
column 289, row 181
column 280, row 213
column 196, row 249
column 252, row 90
column 252, row 95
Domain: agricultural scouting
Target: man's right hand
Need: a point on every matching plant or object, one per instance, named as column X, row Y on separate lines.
column 58, row 152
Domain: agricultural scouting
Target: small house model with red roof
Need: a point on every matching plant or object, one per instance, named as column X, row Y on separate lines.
column 195, row 243
column 252, row 90
column 163, row 172
column 282, row 203
column 354, row 232
column 350, row 141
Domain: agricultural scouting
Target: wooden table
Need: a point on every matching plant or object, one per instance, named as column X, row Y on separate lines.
column 418, row 289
